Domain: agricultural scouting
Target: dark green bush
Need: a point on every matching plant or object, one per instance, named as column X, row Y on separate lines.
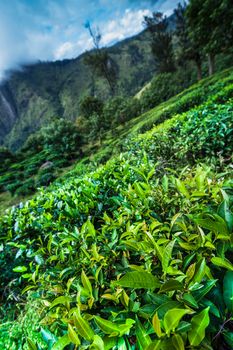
column 27, row 188
column 61, row 138
column 13, row 186
column 90, row 105
column 45, row 178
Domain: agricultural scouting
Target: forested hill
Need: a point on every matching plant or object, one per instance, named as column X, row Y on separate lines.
column 30, row 98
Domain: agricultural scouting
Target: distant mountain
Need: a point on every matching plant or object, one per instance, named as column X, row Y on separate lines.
column 31, row 97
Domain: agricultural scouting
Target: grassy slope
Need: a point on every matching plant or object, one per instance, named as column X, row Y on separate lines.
column 191, row 97
column 114, row 141
column 113, row 196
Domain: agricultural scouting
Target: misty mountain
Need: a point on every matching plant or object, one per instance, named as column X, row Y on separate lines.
column 33, row 96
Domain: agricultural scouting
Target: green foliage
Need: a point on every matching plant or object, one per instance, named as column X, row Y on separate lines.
column 61, row 138
column 207, row 32
column 14, row 334
column 119, row 110
column 161, row 42
column 207, row 131
column 136, row 254
column 162, row 87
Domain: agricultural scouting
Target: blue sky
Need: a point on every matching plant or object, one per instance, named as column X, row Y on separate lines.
column 32, row 30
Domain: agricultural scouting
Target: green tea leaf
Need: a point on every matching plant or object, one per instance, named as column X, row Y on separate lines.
column 143, row 339
column 182, row 189
column 167, row 253
column 222, row 263
column 73, row 336
column 31, row 345
column 172, row 319
column 83, row 327
column 86, row 282
column 199, row 323
column 226, row 214
column 137, row 280
column 98, row 343
column 199, row 271
column 200, row 293
column 61, row 300
column 20, row 269
column 61, row 343
column 156, row 325
column 171, row 284
column 177, row 342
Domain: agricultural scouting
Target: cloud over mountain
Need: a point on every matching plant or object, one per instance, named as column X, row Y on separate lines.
column 51, row 30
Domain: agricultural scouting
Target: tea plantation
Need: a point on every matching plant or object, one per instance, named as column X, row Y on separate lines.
column 135, row 253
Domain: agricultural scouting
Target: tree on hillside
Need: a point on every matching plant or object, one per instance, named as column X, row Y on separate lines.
column 187, row 50
column 211, row 26
column 90, row 105
column 100, row 62
column 161, row 43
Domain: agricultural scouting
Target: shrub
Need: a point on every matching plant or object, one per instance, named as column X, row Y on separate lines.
column 119, row 110
column 13, row 186
column 27, row 188
column 162, row 87
column 206, row 131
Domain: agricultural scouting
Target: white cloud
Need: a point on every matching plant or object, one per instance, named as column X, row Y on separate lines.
column 128, row 25
column 72, row 49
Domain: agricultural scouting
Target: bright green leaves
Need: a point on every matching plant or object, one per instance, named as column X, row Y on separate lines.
column 73, row 336
column 20, row 269
column 143, row 339
column 199, row 323
column 63, row 300
column 83, row 327
column 166, row 257
column 97, row 344
column 214, row 223
column 31, row 345
column 88, row 288
column 86, row 282
column 137, row 279
column 114, row 329
column 182, row 188
column 199, row 271
column 178, row 342
column 157, row 325
column 172, row 319
column 61, row 343
column 226, row 264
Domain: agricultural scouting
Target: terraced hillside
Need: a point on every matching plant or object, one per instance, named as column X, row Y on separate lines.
column 135, row 253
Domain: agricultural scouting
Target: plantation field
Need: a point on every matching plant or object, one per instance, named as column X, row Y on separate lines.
column 136, row 252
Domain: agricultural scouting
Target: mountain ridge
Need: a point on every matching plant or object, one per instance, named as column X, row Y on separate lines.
column 45, row 90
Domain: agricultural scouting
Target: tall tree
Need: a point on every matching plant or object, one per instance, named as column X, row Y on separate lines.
column 99, row 60
column 161, row 43
column 211, row 26
column 187, row 49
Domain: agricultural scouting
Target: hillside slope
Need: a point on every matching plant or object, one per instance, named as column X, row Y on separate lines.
column 136, row 254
